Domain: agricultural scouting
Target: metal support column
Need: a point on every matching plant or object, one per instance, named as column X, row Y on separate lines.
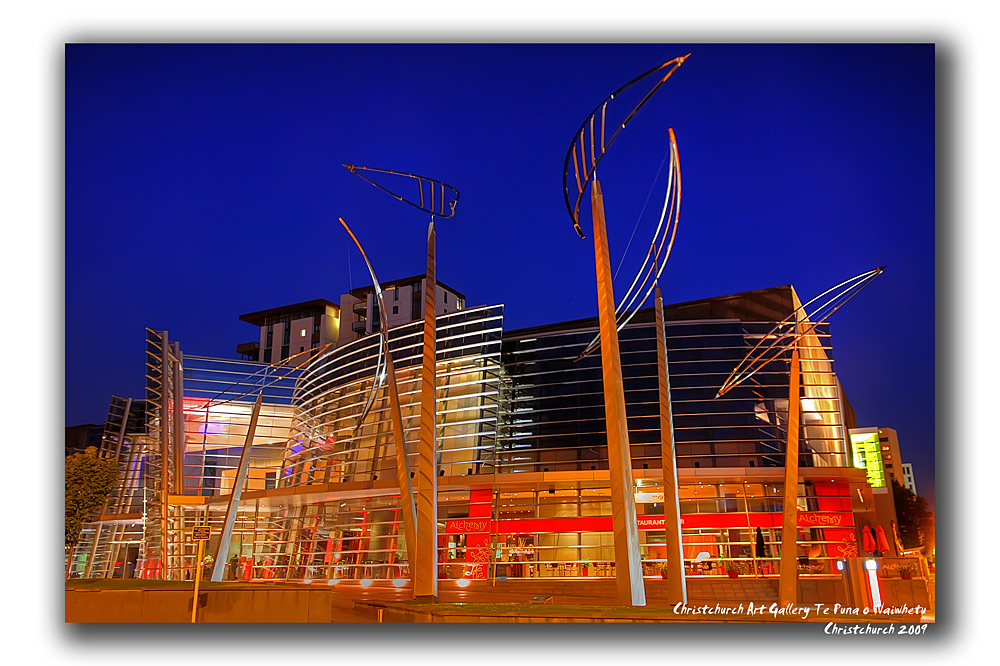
column 222, row 549
column 164, row 449
column 125, row 500
column 425, row 581
column 121, row 430
column 93, row 551
column 676, row 580
column 117, row 534
column 628, row 566
column 788, row 581
column 178, row 421
column 118, row 451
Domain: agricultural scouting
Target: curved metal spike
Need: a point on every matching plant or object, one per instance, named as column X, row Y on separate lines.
column 652, row 265
column 783, row 339
column 383, row 345
column 439, row 203
column 588, row 168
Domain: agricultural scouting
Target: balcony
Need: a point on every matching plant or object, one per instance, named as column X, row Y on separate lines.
column 251, row 350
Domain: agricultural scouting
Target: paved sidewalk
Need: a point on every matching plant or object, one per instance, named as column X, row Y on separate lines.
column 352, row 603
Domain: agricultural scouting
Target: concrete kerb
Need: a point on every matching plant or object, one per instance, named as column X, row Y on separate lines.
column 410, row 613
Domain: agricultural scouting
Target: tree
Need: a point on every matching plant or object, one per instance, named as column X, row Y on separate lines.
column 89, row 480
column 916, row 522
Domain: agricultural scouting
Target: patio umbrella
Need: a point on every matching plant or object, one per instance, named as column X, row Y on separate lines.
column 883, row 543
column 867, row 539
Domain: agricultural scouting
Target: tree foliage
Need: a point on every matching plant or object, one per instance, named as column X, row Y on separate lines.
column 89, row 481
column 916, row 522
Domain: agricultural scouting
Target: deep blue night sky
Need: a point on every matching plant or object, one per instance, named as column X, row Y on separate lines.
column 204, row 182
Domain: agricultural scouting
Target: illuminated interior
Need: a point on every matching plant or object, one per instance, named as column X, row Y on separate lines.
column 524, row 488
column 868, row 456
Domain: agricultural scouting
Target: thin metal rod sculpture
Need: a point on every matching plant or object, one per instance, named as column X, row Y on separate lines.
column 788, row 579
column 425, row 582
column 584, row 170
column 676, row 580
column 383, row 350
column 433, row 196
column 628, row 565
column 787, row 332
column 786, row 335
column 659, row 250
column 437, row 198
column 402, row 465
column 233, row 506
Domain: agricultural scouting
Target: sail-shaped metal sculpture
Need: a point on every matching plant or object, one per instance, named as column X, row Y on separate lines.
column 402, row 464
column 578, row 170
column 431, row 196
column 223, row 397
column 785, row 336
column 659, row 250
column 676, row 577
column 438, row 199
column 378, row 381
column 801, row 322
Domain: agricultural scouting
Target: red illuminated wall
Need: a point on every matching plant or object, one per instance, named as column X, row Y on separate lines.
column 834, row 517
column 834, row 497
column 483, row 525
column 477, row 544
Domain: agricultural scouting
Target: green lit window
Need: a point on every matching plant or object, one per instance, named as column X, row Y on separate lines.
column 868, row 456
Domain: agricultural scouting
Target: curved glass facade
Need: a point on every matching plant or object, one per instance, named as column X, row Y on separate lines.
column 327, row 444
column 555, row 415
column 524, row 488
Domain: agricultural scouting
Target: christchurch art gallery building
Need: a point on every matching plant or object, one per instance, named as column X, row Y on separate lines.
column 523, row 489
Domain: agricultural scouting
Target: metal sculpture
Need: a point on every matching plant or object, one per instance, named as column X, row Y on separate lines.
column 659, row 250
column 402, row 464
column 383, row 359
column 676, row 579
column 585, row 172
column 233, row 505
column 433, row 196
column 438, row 199
column 787, row 332
column 784, row 336
column 628, row 565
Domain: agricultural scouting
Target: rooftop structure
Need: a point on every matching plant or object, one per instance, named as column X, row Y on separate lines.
column 404, row 303
column 80, row 437
column 291, row 329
